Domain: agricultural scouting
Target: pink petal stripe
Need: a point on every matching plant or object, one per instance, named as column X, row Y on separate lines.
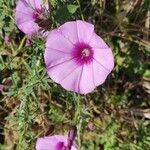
column 58, row 56
column 53, row 49
column 99, row 73
column 58, row 62
column 71, row 81
column 60, row 71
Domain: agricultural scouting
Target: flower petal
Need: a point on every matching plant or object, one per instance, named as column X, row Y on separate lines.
column 69, row 30
column 58, row 57
column 71, row 81
column 59, row 146
column 58, row 42
column 85, row 31
column 97, row 42
column 99, row 73
column 105, row 58
column 38, row 3
column 52, row 143
column 58, row 50
column 26, row 27
column 31, row 3
column 62, row 70
column 86, row 83
column 77, row 31
column 49, row 143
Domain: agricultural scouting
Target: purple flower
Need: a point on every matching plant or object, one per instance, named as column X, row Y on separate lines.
column 31, row 17
column 56, row 142
column 77, row 58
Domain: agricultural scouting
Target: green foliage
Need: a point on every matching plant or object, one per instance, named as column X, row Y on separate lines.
column 109, row 136
column 65, row 12
column 56, row 116
column 7, row 22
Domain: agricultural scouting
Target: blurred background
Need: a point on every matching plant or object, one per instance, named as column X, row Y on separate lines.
column 113, row 117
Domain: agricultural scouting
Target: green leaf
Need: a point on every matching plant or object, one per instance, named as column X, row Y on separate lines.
column 72, row 8
column 65, row 12
column 120, row 60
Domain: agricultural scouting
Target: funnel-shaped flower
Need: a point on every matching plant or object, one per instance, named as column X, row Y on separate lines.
column 77, row 58
column 31, row 16
column 56, row 142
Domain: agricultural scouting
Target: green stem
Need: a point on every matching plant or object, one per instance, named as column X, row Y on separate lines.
column 82, row 17
column 78, row 119
column 79, row 134
column 22, row 42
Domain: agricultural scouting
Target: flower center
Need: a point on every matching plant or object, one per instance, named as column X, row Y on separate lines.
column 82, row 53
column 39, row 14
column 41, row 18
column 60, row 146
column 85, row 52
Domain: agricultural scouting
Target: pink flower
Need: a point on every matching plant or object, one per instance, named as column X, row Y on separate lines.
column 56, row 142
column 77, row 58
column 30, row 16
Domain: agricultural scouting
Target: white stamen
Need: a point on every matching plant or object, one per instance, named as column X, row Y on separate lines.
column 85, row 52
